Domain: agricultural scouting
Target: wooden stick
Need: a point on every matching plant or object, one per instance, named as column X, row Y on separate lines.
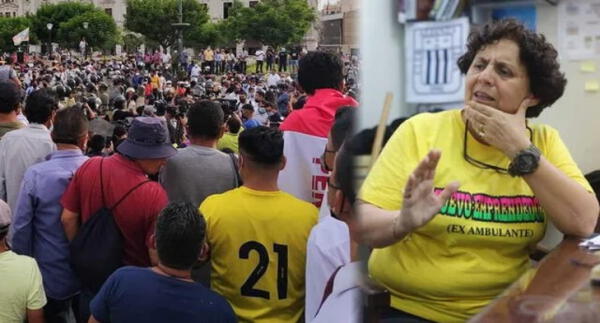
column 378, row 142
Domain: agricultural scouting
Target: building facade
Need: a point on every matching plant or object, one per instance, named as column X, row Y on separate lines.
column 15, row 8
column 339, row 27
column 10, row 8
column 217, row 10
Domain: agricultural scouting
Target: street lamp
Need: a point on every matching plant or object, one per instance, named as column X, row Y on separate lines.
column 179, row 26
column 49, row 26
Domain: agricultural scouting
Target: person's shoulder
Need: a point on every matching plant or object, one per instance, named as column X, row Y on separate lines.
column 131, row 274
column 296, row 203
column 40, row 169
column 216, row 303
column 221, row 155
column 152, row 189
column 329, row 226
column 432, row 118
column 329, row 234
column 14, row 134
column 181, row 155
column 544, row 129
column 543, row 134
column 23, row 260
column 129, row 270
column 23, row 263
column 220, row 197
column 92, row 163
column 212, row 296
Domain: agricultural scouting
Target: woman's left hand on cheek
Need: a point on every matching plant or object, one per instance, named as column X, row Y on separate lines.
column 505, row 131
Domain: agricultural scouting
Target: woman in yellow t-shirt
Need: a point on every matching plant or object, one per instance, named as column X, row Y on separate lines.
column 446, row 262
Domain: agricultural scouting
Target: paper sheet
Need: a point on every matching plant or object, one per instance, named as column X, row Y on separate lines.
column 592, row 244
column 579, row 28
column 588, row 67
column 592, row 86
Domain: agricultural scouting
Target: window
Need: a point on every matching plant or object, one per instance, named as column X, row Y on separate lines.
column 253, row 4
column 108, row 11
column 226, row 7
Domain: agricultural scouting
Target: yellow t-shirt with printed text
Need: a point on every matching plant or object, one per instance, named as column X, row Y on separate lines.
column 480, row 241
column 258, row 251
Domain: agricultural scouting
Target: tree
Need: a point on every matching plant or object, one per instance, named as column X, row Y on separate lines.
column 101, row 31
column 56, row 14
column 209, row 34
column 132, row 41
column 9, row 27
column 67, row 19
column 153, row 19
column 271, row 22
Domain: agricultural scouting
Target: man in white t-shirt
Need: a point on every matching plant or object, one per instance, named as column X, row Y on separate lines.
column 273, row 79
column 260, row 58
column 22, row 293
column 82, row 46
column 196, row 70
column 166, row 58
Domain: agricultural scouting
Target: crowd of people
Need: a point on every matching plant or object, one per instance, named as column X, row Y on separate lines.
column 224, row 194
column 132, row 195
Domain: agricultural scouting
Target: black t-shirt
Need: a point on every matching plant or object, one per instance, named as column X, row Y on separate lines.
column 282, row 56
column 121, row 115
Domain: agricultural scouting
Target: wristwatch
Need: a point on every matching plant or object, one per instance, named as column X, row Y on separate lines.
column 525, row 162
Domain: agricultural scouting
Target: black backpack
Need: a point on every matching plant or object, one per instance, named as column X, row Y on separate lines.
column 236, row 167
column 97, row 249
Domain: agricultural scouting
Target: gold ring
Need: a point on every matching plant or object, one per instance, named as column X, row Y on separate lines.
column 481, row 131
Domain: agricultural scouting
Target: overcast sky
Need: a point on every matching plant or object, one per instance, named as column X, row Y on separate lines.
column 323, row 3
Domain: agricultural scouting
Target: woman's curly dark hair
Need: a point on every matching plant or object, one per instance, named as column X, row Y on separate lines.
column 546, row 81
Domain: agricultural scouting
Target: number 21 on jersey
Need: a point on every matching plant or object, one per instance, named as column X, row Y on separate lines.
column 247, row 288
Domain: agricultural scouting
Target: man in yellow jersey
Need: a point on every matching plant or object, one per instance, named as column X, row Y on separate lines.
column 155, row 80
column 258, row 235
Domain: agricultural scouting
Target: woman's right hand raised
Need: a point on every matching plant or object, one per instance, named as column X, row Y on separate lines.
column 421, row 203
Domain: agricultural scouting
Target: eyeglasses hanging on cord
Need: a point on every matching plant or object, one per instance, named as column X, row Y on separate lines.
column 480, row 164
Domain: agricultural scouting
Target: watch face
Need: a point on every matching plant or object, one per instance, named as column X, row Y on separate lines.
column 526, row 162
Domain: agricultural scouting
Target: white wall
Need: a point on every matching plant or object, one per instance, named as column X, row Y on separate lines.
column 381, row 44
column 577, row 114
